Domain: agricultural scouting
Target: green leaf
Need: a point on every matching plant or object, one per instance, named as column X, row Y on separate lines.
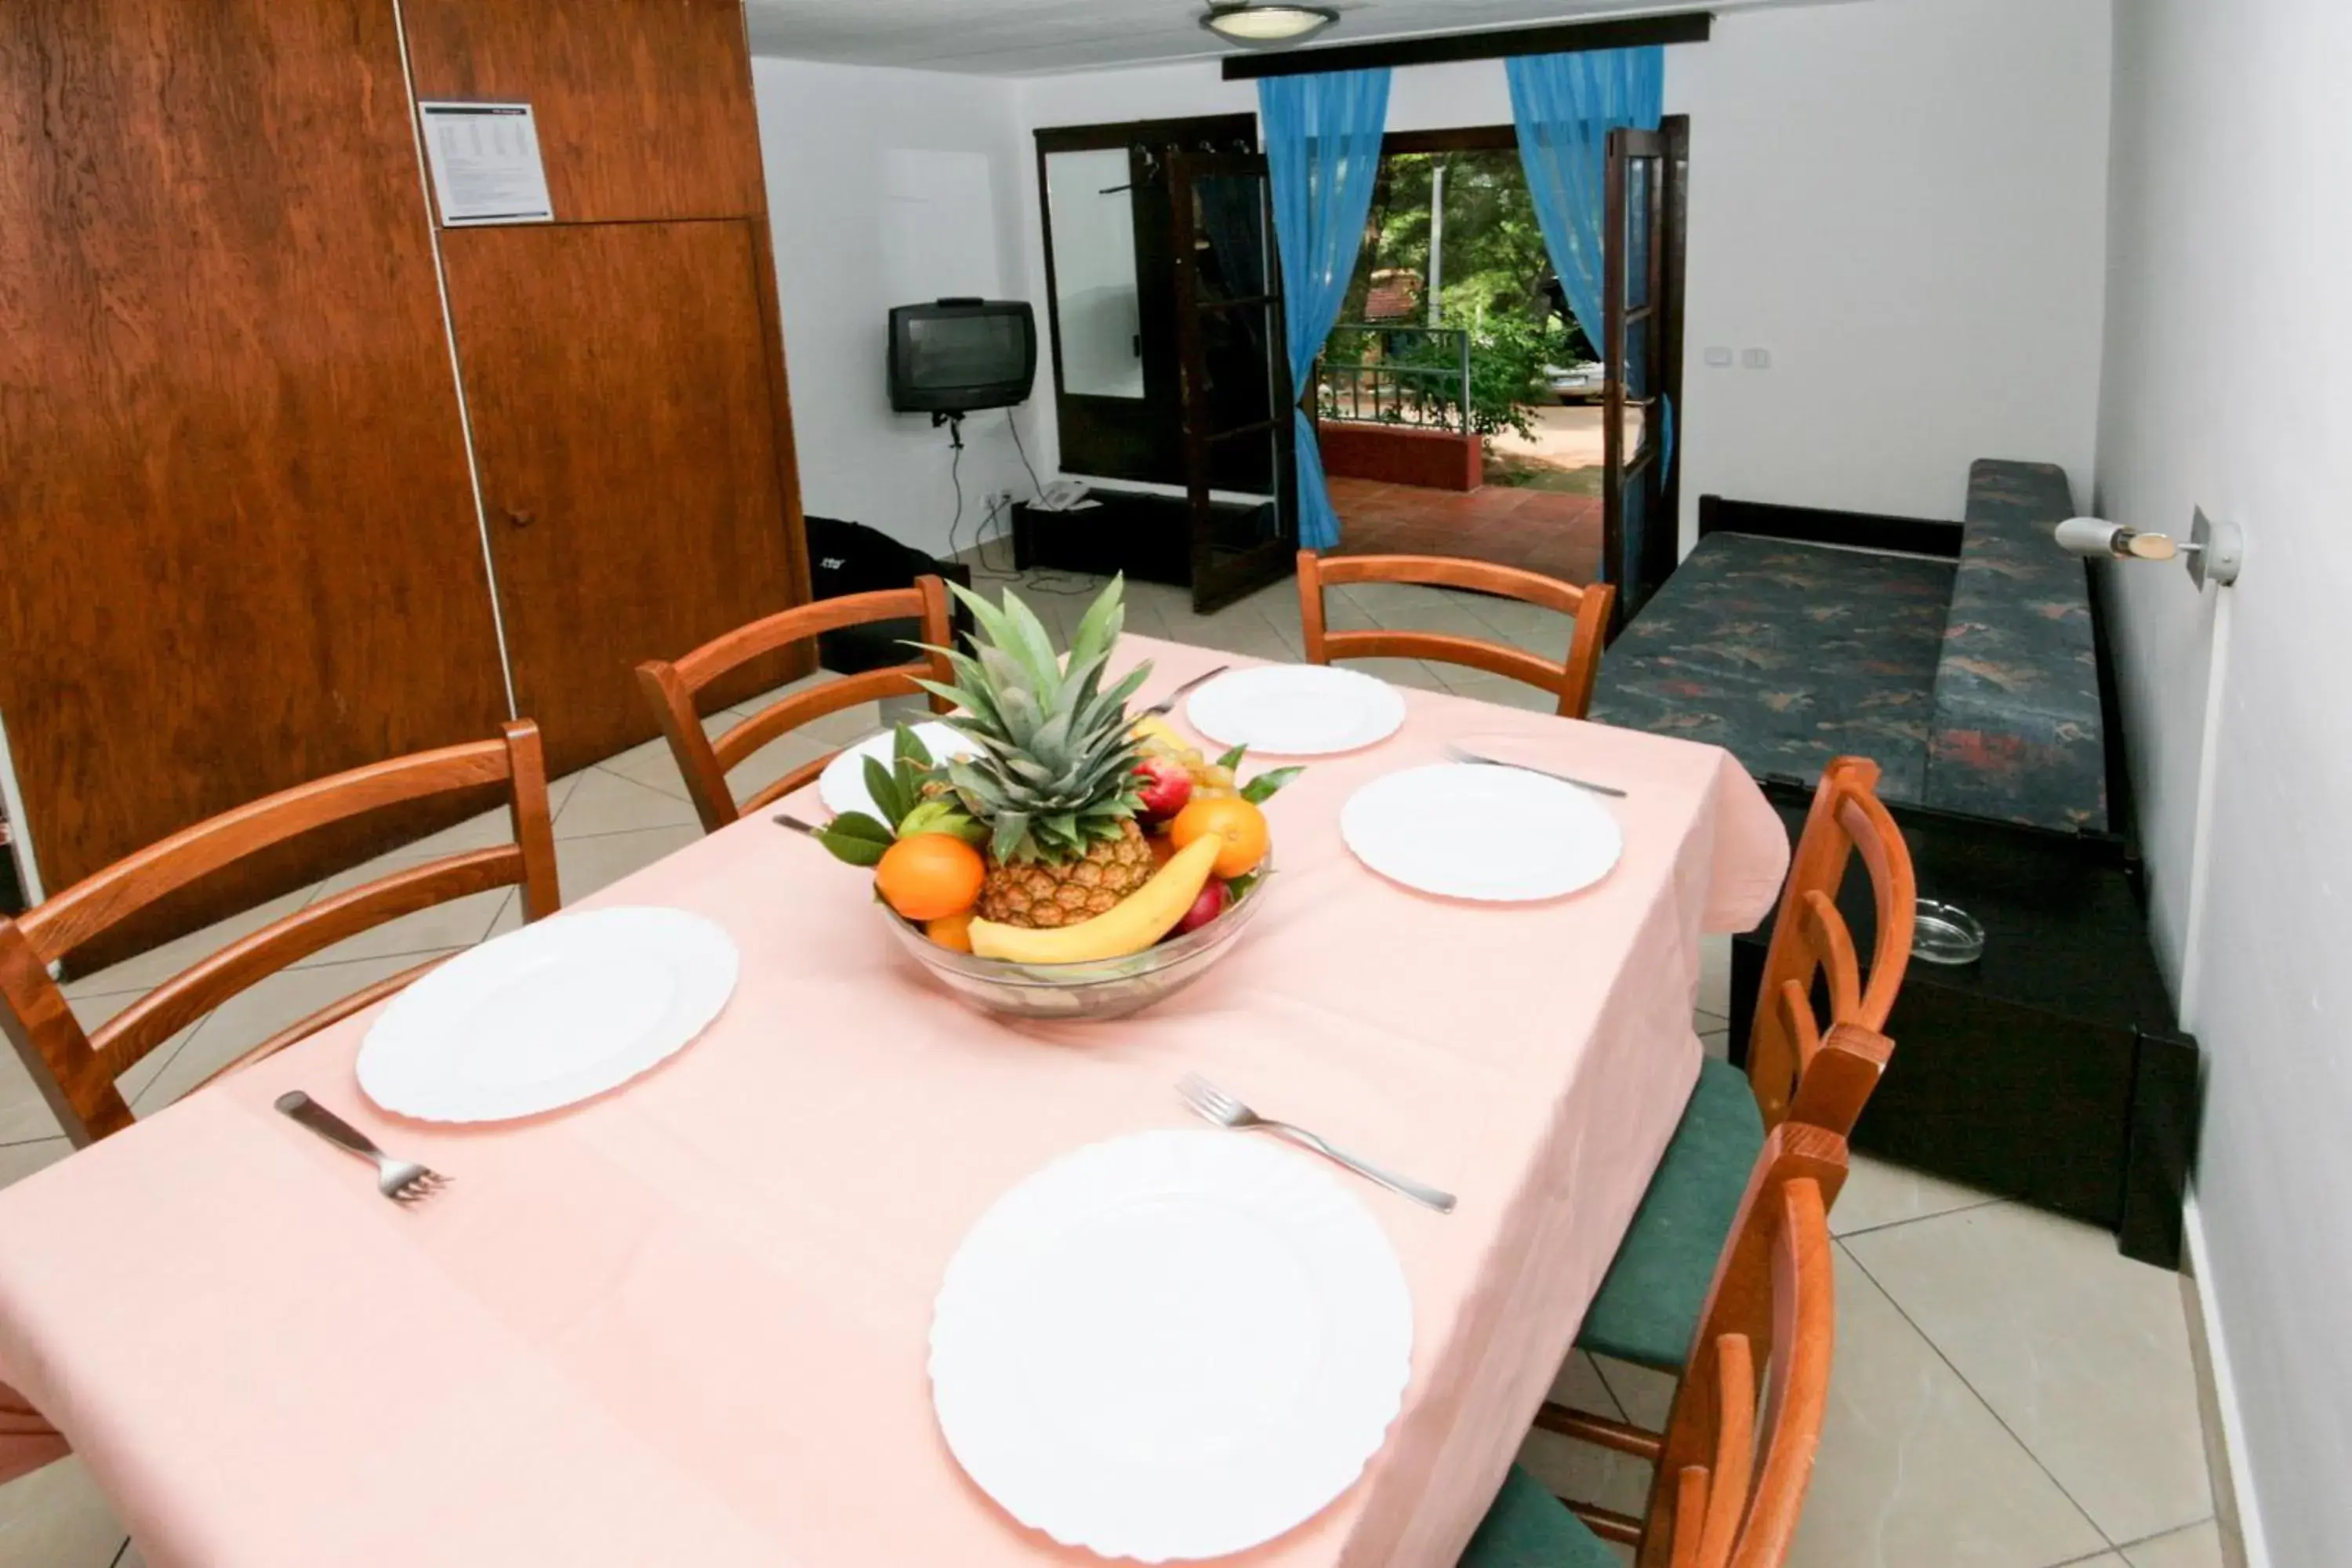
column 856, row 851
column 858, row 825
column 1033, row 644
column 907, row 746
column 1232, row 759
column 1104, row 618
column 882, row 788
column 1259, row 790
column 1011, row 835
column 942, row 816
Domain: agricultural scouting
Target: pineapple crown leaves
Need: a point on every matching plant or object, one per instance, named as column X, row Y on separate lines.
column 1056, row 769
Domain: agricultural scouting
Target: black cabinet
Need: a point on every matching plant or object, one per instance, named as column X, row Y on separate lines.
column 2050, row 1070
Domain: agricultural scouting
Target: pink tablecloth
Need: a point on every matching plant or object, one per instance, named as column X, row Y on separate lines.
column 686, row 1323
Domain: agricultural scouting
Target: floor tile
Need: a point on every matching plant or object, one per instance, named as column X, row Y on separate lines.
column 1579, row 1386
column 1879, row 1193
column 18, row 1160
column 590, row 865
column 488, row 831
column 650, row 764
column 1587, row 1473
column 159, row 963
column 1646, row 1394
column 23, row 1114
column 457, row 923
column 2199, row 1546
column 1914, row 1471
column 57, row 1518
column 2083, row 1352
column 246, row 1019
column 1715, row 975
column 609, row 803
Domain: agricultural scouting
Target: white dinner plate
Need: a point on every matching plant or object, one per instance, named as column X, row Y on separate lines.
column 842, row 785
column 548, row 1015
column 1171, row 1346
column 1470, row 831
column 1297, row 710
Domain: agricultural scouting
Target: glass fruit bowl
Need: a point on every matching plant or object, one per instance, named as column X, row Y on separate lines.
column 1103, row 988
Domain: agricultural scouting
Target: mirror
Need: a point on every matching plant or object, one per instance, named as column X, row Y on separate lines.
column 1092, row 210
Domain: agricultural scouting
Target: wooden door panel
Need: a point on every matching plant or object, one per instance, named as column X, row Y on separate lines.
column 644, row 106
column 240, row 546
column 617, row 375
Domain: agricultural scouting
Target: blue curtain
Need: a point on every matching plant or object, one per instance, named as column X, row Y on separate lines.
column 1323, row 154
column 1566, row 106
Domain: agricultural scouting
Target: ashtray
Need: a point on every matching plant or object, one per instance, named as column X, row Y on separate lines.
column 1946, row 933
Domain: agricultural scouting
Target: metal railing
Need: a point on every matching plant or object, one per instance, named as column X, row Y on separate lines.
column 1396, row 373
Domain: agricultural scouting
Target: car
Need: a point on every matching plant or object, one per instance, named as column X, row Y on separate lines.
column 1572, row 383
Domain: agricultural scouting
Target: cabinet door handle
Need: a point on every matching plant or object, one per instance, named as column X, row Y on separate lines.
column 519, row 519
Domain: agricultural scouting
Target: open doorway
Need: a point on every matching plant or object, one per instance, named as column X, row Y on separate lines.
column 1462, row 408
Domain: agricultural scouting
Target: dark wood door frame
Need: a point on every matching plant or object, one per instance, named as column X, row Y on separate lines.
column 1137, row 439
column 1223, row 574
column 1637, row 566
column 1493, row 44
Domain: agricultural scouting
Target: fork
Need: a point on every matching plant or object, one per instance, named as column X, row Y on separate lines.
column 1464, row 754
column 401, row 1181
column 1213, row 1104
column 1168, row 703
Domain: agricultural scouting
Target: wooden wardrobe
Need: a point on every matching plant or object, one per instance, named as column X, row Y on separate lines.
column 293, row 478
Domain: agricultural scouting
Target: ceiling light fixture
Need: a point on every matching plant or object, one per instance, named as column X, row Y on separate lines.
column 1267, row 26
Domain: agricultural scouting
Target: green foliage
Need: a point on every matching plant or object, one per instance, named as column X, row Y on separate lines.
column 1496, row 285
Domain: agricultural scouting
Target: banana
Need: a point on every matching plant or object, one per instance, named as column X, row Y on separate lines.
column 1152, row 727
column 1141, row 919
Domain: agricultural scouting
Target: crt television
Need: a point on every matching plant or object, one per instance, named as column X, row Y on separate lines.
column 953, row 356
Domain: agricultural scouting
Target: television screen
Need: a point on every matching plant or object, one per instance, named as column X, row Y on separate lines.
column 958, row 355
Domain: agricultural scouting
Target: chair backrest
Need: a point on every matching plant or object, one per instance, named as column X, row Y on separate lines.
column 1735, row 1459
column 1571, row 679
column 76, row 1071
column 1799, row 1066
column 671, row 687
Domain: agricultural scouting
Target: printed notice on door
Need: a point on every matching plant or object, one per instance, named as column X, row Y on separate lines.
column 486, row 167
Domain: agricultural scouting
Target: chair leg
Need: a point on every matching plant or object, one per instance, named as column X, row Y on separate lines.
column 1601, row 1430
column 1608, row 1523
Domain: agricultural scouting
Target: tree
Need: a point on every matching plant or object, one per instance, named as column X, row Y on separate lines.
column 1496, row 281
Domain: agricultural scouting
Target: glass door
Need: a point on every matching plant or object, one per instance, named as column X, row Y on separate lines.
column 1234, row 376
column 1642, row 348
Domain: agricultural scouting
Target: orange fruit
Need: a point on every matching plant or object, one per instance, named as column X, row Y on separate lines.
column 930, row 875
column 1241, row 824
column 1161, row 850
column 951, row 931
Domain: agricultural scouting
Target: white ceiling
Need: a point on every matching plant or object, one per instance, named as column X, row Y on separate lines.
column 1018, row 37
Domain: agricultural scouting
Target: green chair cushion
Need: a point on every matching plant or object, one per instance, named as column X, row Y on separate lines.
column 1530, row 1528
column 1647, row 1310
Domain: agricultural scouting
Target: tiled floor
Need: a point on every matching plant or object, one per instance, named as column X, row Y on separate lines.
column 2009, row 1392
column 1558, row 535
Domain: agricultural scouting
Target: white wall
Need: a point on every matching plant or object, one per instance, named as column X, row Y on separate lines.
column 1904, row 201
column 889, row 187
column 2232, row 218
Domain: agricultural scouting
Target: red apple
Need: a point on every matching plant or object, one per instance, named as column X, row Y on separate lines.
column 1166, row 786
column 1206, row 908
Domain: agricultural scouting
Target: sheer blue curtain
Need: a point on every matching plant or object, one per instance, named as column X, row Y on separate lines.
column 1323, row 154
column 1566, row 106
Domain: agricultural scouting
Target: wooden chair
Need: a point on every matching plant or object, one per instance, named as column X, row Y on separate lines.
column 671, row 688
column 1730, row 1477
column 1797, row 1070
column 1570, row 680
column 76, row 1071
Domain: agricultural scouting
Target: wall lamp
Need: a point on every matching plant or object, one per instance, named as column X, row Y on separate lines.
column 2213, row 551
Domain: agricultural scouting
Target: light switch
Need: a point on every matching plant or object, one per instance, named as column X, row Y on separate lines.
column 1719, row 357
column 1756, row 358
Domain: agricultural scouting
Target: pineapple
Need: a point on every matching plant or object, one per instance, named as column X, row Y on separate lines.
column 1053, row 783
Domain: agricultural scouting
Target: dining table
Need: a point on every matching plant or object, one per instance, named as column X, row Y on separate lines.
column 686, row 1321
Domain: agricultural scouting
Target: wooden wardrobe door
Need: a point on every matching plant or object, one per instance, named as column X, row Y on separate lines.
column 240, row 550
column 644, row 106
column 617, row 376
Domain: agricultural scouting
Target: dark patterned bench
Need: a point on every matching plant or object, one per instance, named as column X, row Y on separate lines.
column 1958, row 656
column 1964, row 658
